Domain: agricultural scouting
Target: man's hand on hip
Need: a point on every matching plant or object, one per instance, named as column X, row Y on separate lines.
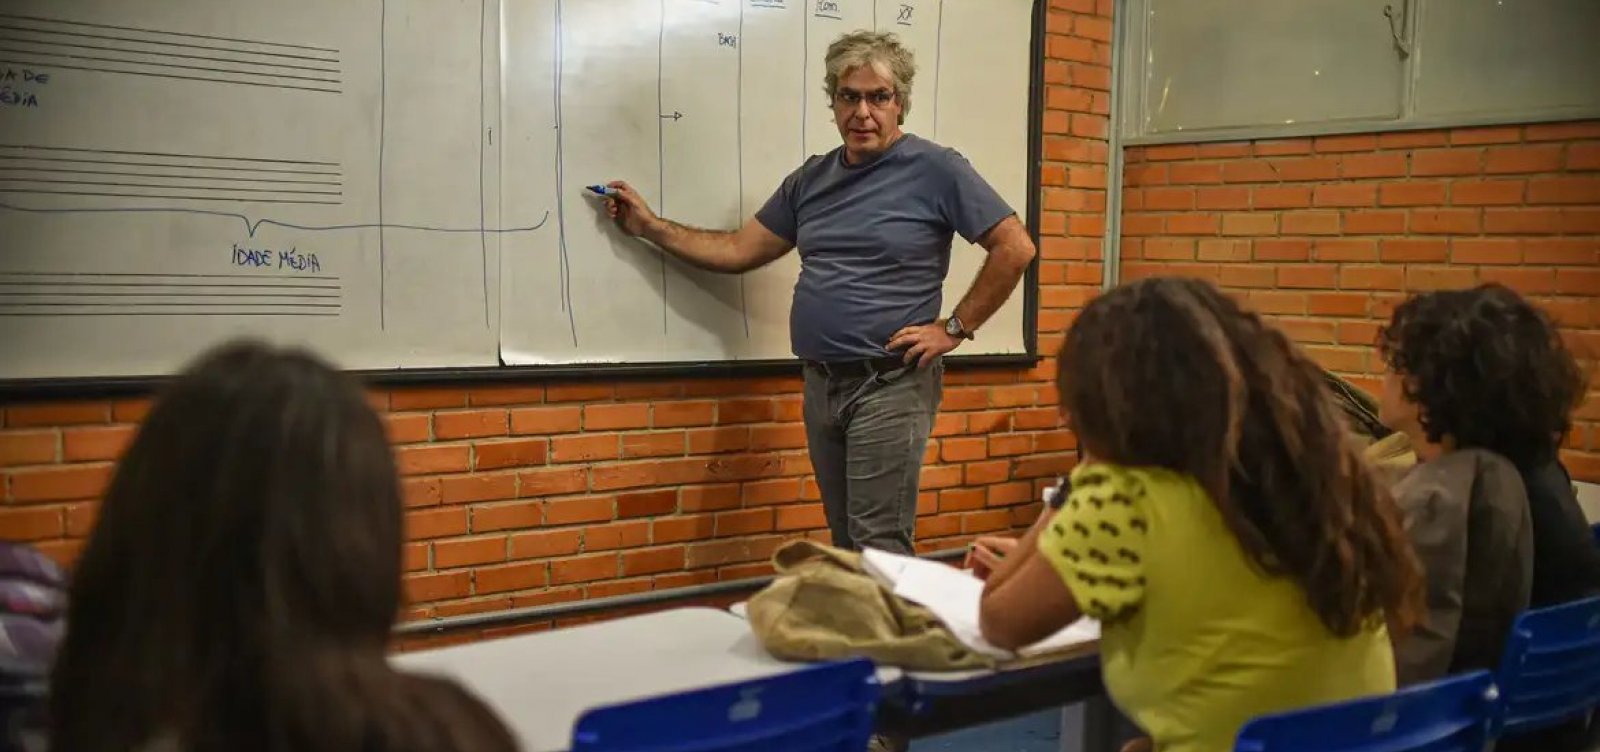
column 923, row 343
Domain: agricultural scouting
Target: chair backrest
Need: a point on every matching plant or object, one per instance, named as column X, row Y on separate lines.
column 1596, row 531
column 826, row 707
column 1449, row 715
column 1550, row 671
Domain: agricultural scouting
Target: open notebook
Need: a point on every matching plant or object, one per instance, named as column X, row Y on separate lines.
column 953, row 594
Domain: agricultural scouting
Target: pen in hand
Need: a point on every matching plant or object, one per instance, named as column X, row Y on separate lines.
column 985, row 554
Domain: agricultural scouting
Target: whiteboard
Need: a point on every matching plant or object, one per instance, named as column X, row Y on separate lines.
column 399, row 183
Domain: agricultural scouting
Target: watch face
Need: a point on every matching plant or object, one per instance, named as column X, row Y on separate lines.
column 952, row 327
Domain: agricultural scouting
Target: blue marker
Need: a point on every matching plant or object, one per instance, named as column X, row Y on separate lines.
column 602, row 190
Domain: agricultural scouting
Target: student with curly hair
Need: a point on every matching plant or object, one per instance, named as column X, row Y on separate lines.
column 1464, row 504
column 1240, row 555
column 1487, row 370
column 239, row 589
column 1476, row 374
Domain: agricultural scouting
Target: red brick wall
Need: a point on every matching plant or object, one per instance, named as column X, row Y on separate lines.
column 536, row 493
column 1327, row 234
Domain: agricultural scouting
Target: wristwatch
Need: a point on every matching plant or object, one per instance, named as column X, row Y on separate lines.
column 954, row 328
column 1056, row 495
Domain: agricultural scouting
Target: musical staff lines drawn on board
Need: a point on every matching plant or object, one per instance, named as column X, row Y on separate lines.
column 12, row 17
column 252, row 226
column 34, row 293
column 31, row 169
column 156, row 53
column 73, row 179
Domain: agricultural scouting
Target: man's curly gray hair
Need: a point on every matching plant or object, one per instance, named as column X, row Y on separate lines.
column 879, row 49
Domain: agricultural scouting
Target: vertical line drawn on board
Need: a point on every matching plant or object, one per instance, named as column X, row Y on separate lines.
column 805, row 92
column 383, row 106
column 499, row 160
column 938, row 58
column 744, row 306
column 561, row 196
column 483, row 237
column 661, row 149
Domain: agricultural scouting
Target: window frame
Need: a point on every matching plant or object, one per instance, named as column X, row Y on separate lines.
column 1130, row 54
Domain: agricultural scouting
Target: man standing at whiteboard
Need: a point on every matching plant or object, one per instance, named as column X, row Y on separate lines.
column 873, row 220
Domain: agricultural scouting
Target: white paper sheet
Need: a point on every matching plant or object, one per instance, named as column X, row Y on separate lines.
column 953, row 596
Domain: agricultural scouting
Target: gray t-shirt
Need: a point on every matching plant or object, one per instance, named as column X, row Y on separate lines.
column 874, row 242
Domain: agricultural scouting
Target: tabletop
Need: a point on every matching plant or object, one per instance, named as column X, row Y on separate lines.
column 541, row 683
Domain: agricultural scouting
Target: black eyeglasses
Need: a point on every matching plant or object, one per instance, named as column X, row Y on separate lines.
column 875, row 99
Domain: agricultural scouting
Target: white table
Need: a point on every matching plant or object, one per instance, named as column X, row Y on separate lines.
column 541, row 683
column 921, row 703
column 888, row 676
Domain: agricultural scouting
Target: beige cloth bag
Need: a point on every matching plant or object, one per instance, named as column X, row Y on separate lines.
column 824, row 606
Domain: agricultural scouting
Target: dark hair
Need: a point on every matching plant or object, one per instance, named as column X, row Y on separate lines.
column 1487, row 369
column 239, row 588
column 1171, row 373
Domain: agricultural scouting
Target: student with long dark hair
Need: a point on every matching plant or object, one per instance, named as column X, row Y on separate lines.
column 240, row 586
column 1241, row 557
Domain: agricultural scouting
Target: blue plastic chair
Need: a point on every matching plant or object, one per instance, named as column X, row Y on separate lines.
column 1596, row 531
column 1550, row 672
column 828, row 707
column 1449, row 715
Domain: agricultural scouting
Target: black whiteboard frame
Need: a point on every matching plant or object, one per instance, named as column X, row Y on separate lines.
column 17, row 390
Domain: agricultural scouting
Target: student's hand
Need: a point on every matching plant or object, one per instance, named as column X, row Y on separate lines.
column 986, row 553
column 923, row 343
column 1141, row 744
column 628, row 209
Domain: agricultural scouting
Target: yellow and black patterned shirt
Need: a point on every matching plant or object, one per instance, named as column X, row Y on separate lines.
column 1195, row 639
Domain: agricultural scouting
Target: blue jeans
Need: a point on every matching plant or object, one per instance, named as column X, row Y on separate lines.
column 866, row 430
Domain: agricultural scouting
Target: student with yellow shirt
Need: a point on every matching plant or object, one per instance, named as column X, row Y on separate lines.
column 1240, row 556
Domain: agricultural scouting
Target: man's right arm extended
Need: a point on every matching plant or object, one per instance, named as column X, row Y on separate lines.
column 749, row 247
